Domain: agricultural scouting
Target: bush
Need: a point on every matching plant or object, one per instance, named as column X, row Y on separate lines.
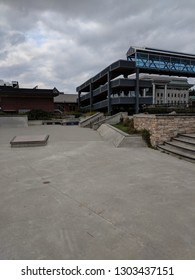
column 39, row 115
column 167, row 110
column 126, row 121
column 88, row 114
column 146, row 137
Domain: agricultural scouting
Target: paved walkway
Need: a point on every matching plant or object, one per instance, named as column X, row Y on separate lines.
column 81, row 198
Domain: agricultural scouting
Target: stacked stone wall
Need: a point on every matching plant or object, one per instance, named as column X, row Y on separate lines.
column 164, row 127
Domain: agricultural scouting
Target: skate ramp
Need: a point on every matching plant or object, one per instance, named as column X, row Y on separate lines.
column 13, row 121
column 119, row 138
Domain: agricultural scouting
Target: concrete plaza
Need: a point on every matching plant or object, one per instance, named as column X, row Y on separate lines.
column 79, row 197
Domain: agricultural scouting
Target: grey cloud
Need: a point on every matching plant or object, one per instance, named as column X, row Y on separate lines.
column 67, row 40
column 17, row 38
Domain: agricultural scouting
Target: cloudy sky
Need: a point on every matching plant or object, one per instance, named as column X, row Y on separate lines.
column 61, row 43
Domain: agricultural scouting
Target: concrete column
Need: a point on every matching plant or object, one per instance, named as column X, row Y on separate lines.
column 79, row 100
column 154, row 93
column 144, row 92
column 109, row 92
column 137, row 92
column 165, row 97
column 91, row 97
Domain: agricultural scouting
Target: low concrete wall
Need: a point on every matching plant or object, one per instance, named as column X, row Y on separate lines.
column 164, row 127
column 13, row 121
column 35, row 122
column 119, row 138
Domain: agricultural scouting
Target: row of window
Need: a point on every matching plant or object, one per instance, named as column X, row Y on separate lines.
column 171, row 102
column 184, row 95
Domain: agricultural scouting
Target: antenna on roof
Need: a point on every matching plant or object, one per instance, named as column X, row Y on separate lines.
column 36, row 87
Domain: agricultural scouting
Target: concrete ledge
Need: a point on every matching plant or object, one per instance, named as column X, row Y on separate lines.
column 119, row 138
column 14, row 121
column 29, row 141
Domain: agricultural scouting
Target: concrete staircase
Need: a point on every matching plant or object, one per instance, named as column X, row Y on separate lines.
column 89, row 121
column 114, row 119
column 182, row 146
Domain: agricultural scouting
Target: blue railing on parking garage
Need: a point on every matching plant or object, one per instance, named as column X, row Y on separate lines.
column 163, row 62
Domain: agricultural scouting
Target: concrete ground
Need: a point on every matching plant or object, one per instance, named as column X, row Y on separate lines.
column 81, row 198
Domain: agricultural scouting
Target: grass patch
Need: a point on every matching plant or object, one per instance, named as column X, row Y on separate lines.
column 121, row 126
column 127, row 126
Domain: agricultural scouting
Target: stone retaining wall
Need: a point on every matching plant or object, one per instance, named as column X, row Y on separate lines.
column 164, row 127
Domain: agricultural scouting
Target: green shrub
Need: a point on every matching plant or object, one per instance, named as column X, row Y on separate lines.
column 126, row 121
column 146, row 137
column 39, row 115
column 167, row 110
column 88, row 114
column 131, row 127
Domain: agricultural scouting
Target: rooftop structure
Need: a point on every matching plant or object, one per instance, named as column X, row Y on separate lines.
column 162, row 61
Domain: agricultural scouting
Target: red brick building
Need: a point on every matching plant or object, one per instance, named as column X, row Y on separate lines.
column 24, row 99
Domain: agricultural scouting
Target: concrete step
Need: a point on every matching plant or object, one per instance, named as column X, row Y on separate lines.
column 175, row 151
column 182, row 146
column 187, row 137
column 185, row 147
column 185, row 140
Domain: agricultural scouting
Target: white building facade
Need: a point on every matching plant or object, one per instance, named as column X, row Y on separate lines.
column 168, row 90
